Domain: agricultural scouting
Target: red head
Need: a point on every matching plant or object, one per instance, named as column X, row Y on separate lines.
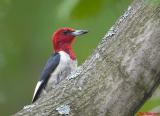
column 63, row 39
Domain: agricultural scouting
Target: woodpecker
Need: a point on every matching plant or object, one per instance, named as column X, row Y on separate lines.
column 61, row 63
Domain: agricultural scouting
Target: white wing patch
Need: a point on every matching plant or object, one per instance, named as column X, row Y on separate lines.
column 36, row 89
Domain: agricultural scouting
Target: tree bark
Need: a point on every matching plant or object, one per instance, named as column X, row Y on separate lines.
column 118, row 77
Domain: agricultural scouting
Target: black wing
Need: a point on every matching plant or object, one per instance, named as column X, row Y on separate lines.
column 50, row 66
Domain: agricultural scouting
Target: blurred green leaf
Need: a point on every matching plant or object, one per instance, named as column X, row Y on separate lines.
column 65, row 8
column 79, row 8
column 87, row 8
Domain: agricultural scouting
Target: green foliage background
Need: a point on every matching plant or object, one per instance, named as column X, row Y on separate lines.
column 26, row 28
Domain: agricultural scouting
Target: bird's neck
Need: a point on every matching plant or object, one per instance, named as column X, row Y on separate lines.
column 68, row 50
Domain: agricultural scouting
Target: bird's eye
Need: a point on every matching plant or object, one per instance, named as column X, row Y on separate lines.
column 65, row 32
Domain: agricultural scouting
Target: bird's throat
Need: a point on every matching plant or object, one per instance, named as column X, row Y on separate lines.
column 68, row 50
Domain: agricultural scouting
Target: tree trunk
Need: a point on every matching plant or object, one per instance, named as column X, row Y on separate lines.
column 118, row 77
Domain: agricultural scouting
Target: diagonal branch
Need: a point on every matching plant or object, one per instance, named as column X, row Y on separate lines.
column 118, row 77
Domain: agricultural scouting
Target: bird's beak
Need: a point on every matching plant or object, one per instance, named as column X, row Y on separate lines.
column 79, row 32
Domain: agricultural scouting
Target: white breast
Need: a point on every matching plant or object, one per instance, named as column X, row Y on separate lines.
column 64, row 68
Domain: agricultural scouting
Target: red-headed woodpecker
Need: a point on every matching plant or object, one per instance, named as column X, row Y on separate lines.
column 61, row 63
